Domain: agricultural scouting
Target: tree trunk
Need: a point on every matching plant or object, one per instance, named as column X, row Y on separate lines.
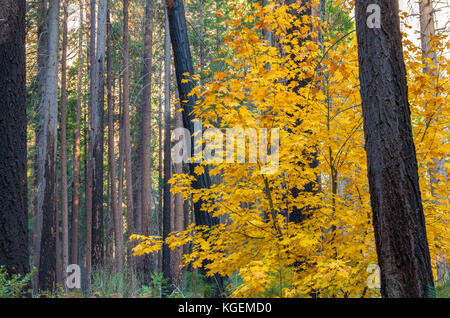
column 76, row 169
column 160, row 172
column 13, row 162
column 178, row 213
column 89, row 181
column 299, row 214
column 47, row 145
column 427, row 29
column 146, row 160
column 98, row 101
column 398, row 218
column 183, row 65
column 126, row 125
column 42, row 55
column 118, row 238
column 166, row 255
column 64, row 199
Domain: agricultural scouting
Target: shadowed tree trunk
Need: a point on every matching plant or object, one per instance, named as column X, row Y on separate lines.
column 118, row 238
column 13, row 163
column 299, row 214
column 98, row 101
column 183, row 65
column 398, row 218
column 42, row 54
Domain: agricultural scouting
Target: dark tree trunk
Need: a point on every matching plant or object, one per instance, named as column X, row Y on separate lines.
column 299, row 214
column 98, row 101
column 398, row 218
column 13, row 152
column 90, row 163
column 183, row 64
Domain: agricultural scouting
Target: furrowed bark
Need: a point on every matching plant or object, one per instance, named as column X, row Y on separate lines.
column 398, row 218
column 13, row 162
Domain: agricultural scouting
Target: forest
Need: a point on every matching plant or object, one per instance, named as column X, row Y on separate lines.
column 224, row 149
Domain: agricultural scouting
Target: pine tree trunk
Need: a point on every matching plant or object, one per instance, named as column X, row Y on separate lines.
column 76, row 169
column 166, row 254
column 90, row 163
column 126, row 125
column 146, row 160
column 183, row 65
column 42, row 55
column 120, row 176
column 64, row 199
column 98, row 100
column 178, row 219
column 160, row 173
column 46, row 157
column 427, row 29
column 398, row 218
column 118, row 238
column 13, row 152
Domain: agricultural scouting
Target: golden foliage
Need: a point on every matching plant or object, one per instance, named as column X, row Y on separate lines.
column 310, row 91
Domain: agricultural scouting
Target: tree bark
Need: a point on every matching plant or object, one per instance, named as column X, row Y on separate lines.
column 118, row 238
column 76, row 169
column 160, row 172
column 398, row 218
column 13, row 162
column 42, row 55
column 126, row 125
column 178, row 215
column 64, row 198
column 146, row 160
column 90, row 163
column 426, row 17
column 46, row 157
column 183, row 65
column 98, row 101
column 166, row 254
